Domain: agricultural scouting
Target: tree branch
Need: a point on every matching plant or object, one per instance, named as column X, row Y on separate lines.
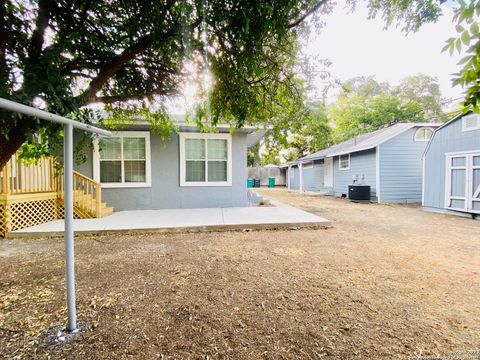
column 307, row 14
column 3, row 41
column 120, row 98
column 112, row 67
column 38, row 35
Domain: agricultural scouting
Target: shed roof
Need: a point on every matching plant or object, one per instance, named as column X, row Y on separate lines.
column 455, row 118
column 365, row 141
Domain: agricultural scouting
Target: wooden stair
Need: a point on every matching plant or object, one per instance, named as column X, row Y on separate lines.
column 86, row 203
column 87, row 197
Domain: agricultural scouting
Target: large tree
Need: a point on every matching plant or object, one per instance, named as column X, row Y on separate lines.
column 68, row 54
column 467, row 17
column 366, row 105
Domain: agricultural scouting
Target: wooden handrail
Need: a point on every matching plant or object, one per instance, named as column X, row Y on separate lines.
column 87, row 193
column 86, row 178
column 19, row 178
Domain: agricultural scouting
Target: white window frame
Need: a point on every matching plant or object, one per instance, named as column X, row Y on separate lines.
column 148, row 160
column 422, row 129
column 464, row 128
column 292, row 172
column 469, row 196
column 340, row 162
column 183, row 164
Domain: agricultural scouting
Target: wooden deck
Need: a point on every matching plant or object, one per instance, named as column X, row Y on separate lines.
column 33, row 194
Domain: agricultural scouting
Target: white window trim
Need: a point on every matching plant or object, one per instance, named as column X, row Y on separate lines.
column 307, row 165
column 464, row 128
column 185, row 135
column 340, row 162
column 468, row 197
column 148, row 161
column 418, row 132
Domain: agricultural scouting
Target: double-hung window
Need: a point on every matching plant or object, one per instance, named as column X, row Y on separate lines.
column 205, row 159
column 344, row 162
column 123, row 160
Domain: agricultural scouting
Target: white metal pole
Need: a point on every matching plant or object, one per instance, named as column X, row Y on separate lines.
column 69, row 124
column 31, row 111
column 288, row 176
column 68, row 205
column 300, row 170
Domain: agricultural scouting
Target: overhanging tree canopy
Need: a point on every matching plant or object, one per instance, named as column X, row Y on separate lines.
column 71, row 53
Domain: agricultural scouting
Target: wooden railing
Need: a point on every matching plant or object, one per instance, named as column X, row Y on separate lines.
column 46, row 177
column 87, row 193
column 18, row 178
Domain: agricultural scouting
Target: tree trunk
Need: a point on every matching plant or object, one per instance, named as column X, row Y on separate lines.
column 16, row 138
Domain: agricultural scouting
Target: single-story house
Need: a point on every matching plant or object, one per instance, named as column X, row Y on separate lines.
column 137, row 170
column 389, row 160
column 452, row 167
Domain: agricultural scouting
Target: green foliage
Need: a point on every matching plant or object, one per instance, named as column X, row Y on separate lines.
column 313, row 133
column 368, row 105
column 467, row 16
column 409, row 14
column 66, row 55
column 423, row 90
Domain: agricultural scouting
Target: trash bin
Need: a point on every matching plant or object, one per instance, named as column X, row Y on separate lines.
column 257, row 183
column 271, row 182
column 250, row 183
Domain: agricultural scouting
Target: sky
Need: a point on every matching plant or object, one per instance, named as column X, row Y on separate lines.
column 357, row 46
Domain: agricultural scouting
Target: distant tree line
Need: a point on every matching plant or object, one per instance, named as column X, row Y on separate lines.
column 363, row 105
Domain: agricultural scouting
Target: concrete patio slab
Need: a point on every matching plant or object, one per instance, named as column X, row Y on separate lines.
column 262, row 217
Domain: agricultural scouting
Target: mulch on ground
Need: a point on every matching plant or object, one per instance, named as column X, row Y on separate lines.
column 384, row 282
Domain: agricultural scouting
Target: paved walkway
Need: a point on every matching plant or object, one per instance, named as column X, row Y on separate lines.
column 277, row 216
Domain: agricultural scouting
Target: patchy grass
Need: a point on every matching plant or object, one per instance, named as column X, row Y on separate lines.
column 384, row 282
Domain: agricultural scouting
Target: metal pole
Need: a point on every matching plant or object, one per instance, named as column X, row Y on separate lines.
column 68, row 205
column 300, row 170
column 289, row 176
column 31, row 111
column 69, row 124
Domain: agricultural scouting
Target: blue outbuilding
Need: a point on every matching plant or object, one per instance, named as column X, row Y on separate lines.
column 388, row 160
column 452, row 167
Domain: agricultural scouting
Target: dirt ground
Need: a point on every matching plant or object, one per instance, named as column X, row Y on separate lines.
column 384, row 282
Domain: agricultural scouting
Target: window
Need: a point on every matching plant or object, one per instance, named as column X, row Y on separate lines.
column 205, row 159
column 291, row 170
column 344, row 162
column 471, row 122
column 423, row 134
column 123, row 160
column 307, row 165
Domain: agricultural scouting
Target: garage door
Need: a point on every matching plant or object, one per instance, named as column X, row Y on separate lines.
column 463, row 182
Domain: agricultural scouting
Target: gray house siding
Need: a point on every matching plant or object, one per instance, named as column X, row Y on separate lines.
column 362, row 164
column 166, row 191
column 448, row 139
column 295, row 180
column 313, row 177
column 401, row 168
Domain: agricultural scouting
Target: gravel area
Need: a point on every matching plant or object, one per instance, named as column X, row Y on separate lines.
column 384, row 282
